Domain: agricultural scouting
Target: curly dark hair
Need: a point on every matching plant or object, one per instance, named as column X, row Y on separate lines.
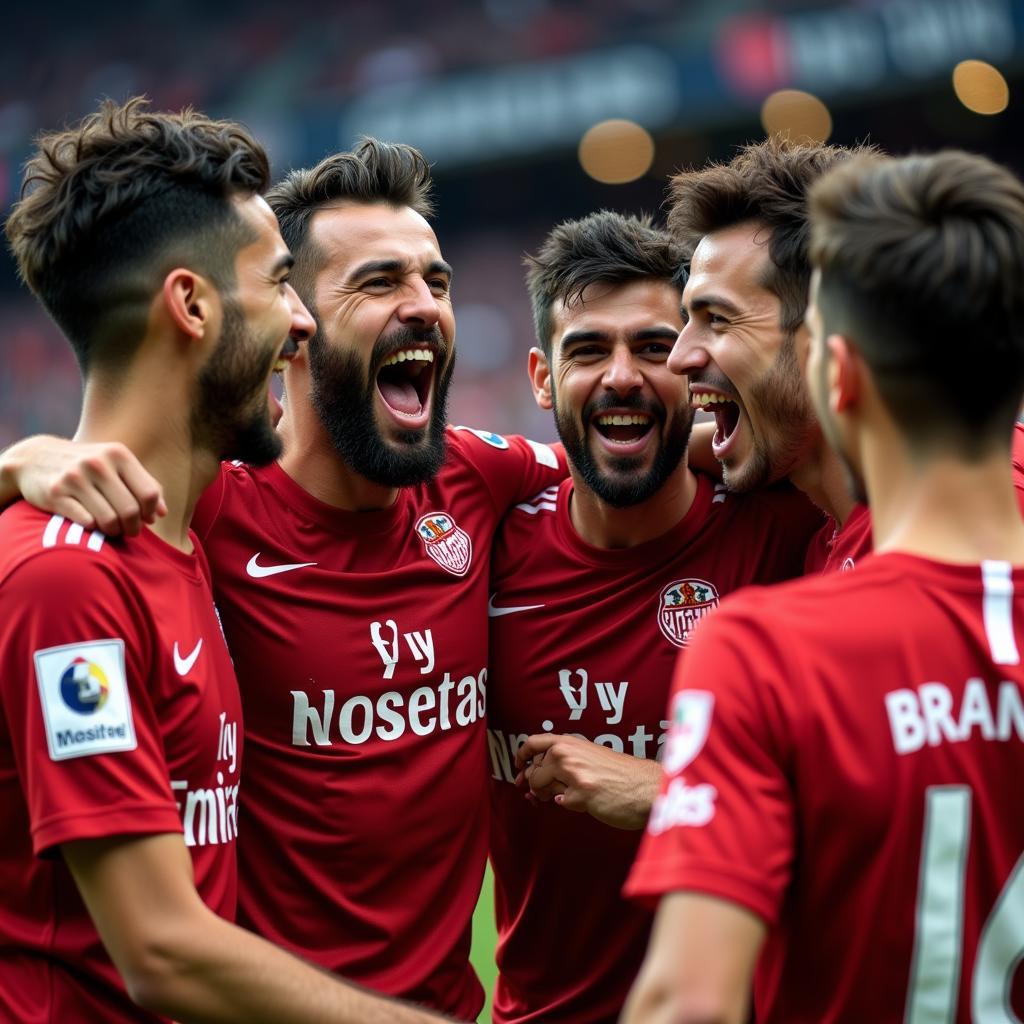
column 605, row 247
column 373, row 172
column 921, row 261
column 111, row 204
column 766, row 183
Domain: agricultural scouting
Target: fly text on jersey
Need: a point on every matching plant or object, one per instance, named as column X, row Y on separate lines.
column 930, row 715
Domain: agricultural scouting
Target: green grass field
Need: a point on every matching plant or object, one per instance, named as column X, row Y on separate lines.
column 484, row 938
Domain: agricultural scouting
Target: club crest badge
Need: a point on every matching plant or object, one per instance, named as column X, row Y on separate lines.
column 688, row 728
column 682, row 605
column 447, row 544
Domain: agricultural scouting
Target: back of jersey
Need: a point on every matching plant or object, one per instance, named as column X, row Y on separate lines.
column 859, row 786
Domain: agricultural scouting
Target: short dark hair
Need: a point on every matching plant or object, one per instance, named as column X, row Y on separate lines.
column 109, row 206
column 765, row 183
column 605, row 247
column 374, row 172
column 922, row 264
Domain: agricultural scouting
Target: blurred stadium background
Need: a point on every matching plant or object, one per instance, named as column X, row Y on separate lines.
column 532, row 111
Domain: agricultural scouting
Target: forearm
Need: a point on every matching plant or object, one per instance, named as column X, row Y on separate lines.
column 12, row 460
column 220, row 972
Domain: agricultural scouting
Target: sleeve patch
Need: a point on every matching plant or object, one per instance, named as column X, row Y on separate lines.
column 488, row 437
column 544, row 453
column 83, row 691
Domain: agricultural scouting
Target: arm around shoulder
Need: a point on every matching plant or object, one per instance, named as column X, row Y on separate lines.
column 180, row 959
column 101, row 485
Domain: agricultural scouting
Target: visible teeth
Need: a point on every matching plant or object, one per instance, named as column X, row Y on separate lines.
column 279, row 364
column 420, row 355
column 616, row 420
column 700, row 399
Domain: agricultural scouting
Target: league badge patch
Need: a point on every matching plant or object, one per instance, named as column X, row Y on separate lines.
column 682, row 605
column 83, row 693
column 688, row 728
column 447, row 544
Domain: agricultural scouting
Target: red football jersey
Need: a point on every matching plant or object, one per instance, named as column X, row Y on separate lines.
column 584, row 640
column 120, row 717
column 841, row 547
column 360, row 642
column 845, row 760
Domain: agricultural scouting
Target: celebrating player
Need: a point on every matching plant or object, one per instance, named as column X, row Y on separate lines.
column 352, row 581
column 842, row 764
column 598, row 585
column 745, row 225
column 145, row 237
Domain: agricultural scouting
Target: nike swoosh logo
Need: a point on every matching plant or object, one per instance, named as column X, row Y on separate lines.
column 184, row 665
column 495, row 612
column 258, row 571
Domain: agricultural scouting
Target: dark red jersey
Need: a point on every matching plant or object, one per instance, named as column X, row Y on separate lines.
column 584, row 641
column 839, row 548
column 845, row 761
column 360, row 642
column 836, row 547
column 120, row 717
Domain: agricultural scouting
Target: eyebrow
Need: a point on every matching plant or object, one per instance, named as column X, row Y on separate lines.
column 396, row 266
column 644, row 334
column 713, row 300
column 286, row 262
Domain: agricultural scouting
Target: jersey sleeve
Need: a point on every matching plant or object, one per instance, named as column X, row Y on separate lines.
column 75, row 658
column 514, row 468
column 723, row 823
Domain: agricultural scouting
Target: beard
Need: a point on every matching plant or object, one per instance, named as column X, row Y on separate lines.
column 787, row 423
column 624, row 483
column 230, row 417
column 343, row 393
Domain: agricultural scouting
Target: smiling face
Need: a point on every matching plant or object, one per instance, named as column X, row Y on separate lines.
column 262, row 319
column 381, row 361
column 741, row 365
column 622, row 415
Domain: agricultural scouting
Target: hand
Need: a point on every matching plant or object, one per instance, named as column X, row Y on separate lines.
column 101, row 486
column 578, row 775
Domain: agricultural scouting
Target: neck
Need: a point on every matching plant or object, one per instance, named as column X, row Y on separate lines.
column 605, row 526
column 945, row 509
column 311, row 460
column 823, row 479
column 160, row 437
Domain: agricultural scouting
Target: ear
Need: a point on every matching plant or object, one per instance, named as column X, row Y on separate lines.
column 540, row 378
column 191, row 302
column 845, row 374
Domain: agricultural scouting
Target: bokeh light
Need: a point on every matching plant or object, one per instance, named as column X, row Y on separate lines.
column 615, row 152
column 980, row 87
column 796, row 114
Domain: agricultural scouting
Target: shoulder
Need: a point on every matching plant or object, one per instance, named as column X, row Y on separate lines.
column 53, row 545
column 490, row 452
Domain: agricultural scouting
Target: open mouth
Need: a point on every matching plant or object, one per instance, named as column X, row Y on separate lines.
column 726, row 413
column 286, row 355
column 623, row 428
column 404, row 382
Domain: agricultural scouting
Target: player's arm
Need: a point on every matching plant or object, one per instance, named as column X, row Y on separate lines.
column 101, row 486
column 699, row 963
column 615, row 788
column 180, row 959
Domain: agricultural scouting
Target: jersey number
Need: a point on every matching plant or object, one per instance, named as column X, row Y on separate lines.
column 935, row 969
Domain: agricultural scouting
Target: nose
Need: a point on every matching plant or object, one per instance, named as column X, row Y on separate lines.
column 622, row 374
column 687, row 353
column 419, row 305
column 303, row 325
